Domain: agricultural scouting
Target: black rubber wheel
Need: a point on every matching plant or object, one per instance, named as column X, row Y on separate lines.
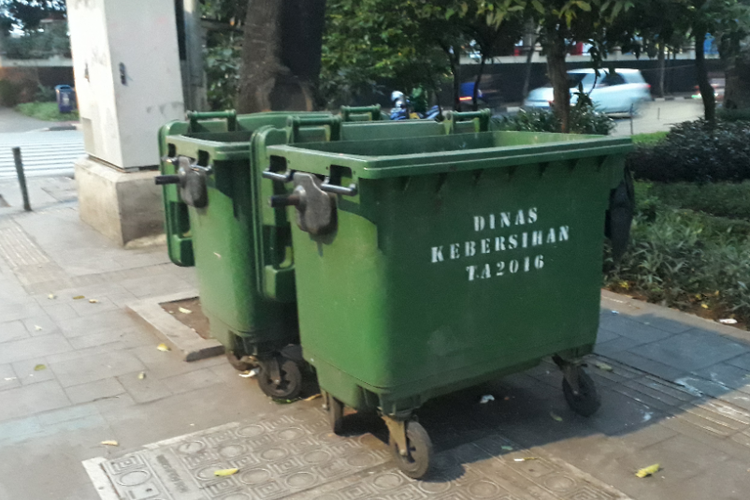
column 335, row 414
column 236, row 363
column 587, row 401
column 290, row 384
column 416, row 463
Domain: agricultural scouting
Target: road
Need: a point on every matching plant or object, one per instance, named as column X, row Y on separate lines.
column 44, row 153
column 659, row 116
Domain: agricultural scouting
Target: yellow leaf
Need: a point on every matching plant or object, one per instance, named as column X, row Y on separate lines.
column 555, row 417
column 93, row 301
column 704, row 306
column 225, row 472
column 314, row 396
column 39, row 368
column 603, row 366
column 110, row 443
column 78, row 297
column 184, row 311
column 141, row 375
column 647, row 471
column 51, row 296
column 163, row 347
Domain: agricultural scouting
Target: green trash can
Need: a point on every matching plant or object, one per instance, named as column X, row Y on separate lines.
column 426, row 265
column 218, row 219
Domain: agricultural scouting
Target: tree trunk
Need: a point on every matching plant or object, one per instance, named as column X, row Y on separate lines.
column 662, row 69
column 707, row 91
column 527, row 75
column 737, row 94
column 475, row 93
column 558, row 75
column 281, row 55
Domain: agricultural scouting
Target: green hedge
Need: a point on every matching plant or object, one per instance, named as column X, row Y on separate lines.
column 696, row 152
column 723, row 199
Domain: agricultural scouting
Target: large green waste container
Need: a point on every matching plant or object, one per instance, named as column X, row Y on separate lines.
column 429, row 264
column 218, row 219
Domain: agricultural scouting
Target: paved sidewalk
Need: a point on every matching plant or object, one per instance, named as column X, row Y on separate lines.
column 678, row 394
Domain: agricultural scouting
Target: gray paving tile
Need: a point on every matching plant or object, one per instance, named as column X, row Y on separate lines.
column 13, row 330
column 85, row 308
column 742, row 362
column 727, row 375
column 666, row 324
column 168, row 364
column 35, row 347
column 617, row 345
column 631, row 328
column 144, row 390
column 604, row 335
column 96, row 366
column 41, row 325
column 150, row 287
column 692, row 350
column 28, row 374
column 94, row 391
column 32, row 399
column 59, row 311
column 191, row 381
column 105, row 321
column 8, row 378
column 648, row 365
column 13, row 312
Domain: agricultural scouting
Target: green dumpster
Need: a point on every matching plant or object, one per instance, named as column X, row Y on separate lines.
column 218, row 219
column 426, row 265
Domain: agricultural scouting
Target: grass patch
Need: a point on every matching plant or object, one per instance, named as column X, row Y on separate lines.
column 723, row 199
column 47, row 111
column 649, row 139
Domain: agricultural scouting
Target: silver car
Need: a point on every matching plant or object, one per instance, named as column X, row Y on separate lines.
column 614, row 92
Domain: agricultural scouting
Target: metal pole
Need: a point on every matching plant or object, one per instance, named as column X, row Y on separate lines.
column 21, row 178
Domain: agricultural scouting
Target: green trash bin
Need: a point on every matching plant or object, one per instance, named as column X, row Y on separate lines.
column 218, row 219
column 427, row 265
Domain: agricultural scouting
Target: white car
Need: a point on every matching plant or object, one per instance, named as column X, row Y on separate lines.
column 618, row 91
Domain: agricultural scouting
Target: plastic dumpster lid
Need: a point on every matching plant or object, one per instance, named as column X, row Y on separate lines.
column 384, row 158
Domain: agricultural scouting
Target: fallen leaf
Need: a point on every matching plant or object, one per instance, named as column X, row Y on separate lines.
column 249, row 373
column 78, row 297
column 51, row 296
column 184, row 311
column 38, row 328
column 93, row 301
column 555, row 417
column 507, row 448
column 704, row 306
column 728, row 321
column 525, row 459
column 141, row 375
column 486, row 399
column 110, row 443
column 314, row 396
column 647, row 471
column 225, row 472
column 163, row 347
column 39, row 368
column 603, row 366
column 8, row 379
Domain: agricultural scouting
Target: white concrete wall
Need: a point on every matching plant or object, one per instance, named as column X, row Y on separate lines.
column 121, row 119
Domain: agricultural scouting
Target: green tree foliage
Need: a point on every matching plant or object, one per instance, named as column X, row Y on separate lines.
column 28, row 14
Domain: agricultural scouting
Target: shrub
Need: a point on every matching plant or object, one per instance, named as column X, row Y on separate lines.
column 45, row 94
column 723, row 199
column 10, row 93
column 682, row 259
column 733, row 115
column 583, row 120
column 696, row 152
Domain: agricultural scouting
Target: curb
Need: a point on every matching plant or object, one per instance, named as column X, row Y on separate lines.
column 672, row 98
column 192, row 346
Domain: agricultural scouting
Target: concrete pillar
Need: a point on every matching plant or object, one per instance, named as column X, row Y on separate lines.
column 128, row 82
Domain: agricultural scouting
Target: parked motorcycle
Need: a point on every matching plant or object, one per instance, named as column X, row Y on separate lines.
column 405, row 109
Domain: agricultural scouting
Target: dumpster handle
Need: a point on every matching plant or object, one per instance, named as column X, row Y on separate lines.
column 373, row 111
column 483, row 116
column 294, row 123
column 278, row 176
column 229, row 115
column 333, row 188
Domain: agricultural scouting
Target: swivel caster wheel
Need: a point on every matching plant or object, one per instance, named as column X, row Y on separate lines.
column 583, row 399
column 280, row 378
column 411, row 447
